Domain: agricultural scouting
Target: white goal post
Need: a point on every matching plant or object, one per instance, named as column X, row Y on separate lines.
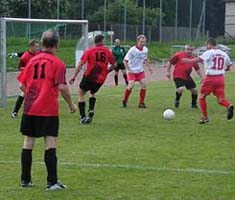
column 3, row 42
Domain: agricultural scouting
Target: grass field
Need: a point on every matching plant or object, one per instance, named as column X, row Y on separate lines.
column 131, row 154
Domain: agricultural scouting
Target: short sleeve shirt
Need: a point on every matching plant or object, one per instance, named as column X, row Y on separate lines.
column 182, row 70
column 136, row 57
column 41, row 77
column 24, row 59
column 215, row 61
column 97, row 60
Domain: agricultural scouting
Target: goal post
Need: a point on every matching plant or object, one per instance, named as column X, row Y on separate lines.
column 68, row 28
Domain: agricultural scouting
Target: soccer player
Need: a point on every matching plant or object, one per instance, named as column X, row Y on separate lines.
column 41, row 81
column 97, row 59
column 24, row 59
column 134, row 61
column 215, row 61
column 119, row 53
column 181, row 75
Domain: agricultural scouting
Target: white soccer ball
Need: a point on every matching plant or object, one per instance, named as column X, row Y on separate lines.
column 168, row 114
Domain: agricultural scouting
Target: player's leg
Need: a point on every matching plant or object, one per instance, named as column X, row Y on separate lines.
column 124, row 73
column 18, row 104
column 26, row 161
column 116, row 75
column 142, row 93
column 50, row 159
column 206, row 89
column 180, row 86
column 220, row 95
column 127, row 93
column 191, row 85
column 83, row 87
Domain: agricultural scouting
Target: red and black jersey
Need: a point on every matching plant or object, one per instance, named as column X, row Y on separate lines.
column 182, row 70
column 97, row 59
column 24, row 59
column 41, row 77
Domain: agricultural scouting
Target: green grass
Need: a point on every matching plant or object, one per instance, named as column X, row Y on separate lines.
column 131, row 154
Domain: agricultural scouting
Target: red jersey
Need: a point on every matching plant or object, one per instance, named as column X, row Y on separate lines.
column 41, row 77
column 97, row 59
column 183, row 70
column 24, row 59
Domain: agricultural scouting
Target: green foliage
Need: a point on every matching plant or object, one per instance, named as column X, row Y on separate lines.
column 130, row 154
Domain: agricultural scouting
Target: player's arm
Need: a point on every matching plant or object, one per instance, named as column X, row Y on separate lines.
column 64, row 91
column 78, row 69
column 168, row 75
column 193, row 60
column 113, row 66
column 146, row 63
column 228, row 67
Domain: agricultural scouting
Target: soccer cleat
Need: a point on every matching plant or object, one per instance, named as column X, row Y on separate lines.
column 14, row 115
column 124, row 104
column 194, row 106
column 90, row 116
column 203, row 120
column 177, row 103
column 83, row 120
column 26, row 184
column 230, row 112
column 57, row 186
column 142, row 105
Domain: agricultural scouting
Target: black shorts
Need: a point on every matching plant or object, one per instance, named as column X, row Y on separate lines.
column 189, row 84
column 37, row 126
column 120, row 67
column 88, row 85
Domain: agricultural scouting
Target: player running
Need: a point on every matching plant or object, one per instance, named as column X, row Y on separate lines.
column 181, row 75
column 24, row 59
column 134, row 61
column 119, row 53
column 97, row 60
column 214, row 61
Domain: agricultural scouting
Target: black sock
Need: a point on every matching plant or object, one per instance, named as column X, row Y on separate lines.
column 177, row 96
column 125, row 77
column 50, row 160
column 26, row 163
column 92, row 101
column 194, row 99
column 81, row 106
column 18, row 104
column 116, row 79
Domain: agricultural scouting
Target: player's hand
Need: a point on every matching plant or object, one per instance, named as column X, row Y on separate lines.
column 150, row 70
column 71, row 81
column 168, row 75
column 73, row 108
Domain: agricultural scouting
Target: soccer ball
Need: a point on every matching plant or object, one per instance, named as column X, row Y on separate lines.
column 168, row 114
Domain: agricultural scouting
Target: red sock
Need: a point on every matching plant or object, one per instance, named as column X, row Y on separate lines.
column 224, row 103
column 203, row 107
column 126, row 95
column 142, row 95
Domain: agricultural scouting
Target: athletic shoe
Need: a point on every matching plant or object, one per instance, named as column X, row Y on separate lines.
column 90, row 116
column 83, row 120
column 142, row 105
column 177, row 103
column 14, row 115
column 26, row 184
column 57, row 186
column 124, row 104
column 230, row 112
column 194, row 106
column 203, row 120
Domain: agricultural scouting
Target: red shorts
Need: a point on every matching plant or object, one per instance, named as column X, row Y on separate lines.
column 136, row 77
column 213, row 84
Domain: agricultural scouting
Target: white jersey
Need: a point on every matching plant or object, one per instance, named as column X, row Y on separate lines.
column 215, row 61
column 136, row 58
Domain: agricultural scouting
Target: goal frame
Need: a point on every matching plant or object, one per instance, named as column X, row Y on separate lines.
column 3, row 38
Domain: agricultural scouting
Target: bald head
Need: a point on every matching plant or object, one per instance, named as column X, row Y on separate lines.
column 50, row 39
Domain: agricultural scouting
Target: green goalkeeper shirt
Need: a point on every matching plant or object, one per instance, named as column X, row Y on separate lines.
column 119, row 53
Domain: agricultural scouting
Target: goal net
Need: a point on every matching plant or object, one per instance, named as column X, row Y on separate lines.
column 15, row 36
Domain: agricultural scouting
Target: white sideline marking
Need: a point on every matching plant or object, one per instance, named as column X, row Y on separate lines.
column 135, row 167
